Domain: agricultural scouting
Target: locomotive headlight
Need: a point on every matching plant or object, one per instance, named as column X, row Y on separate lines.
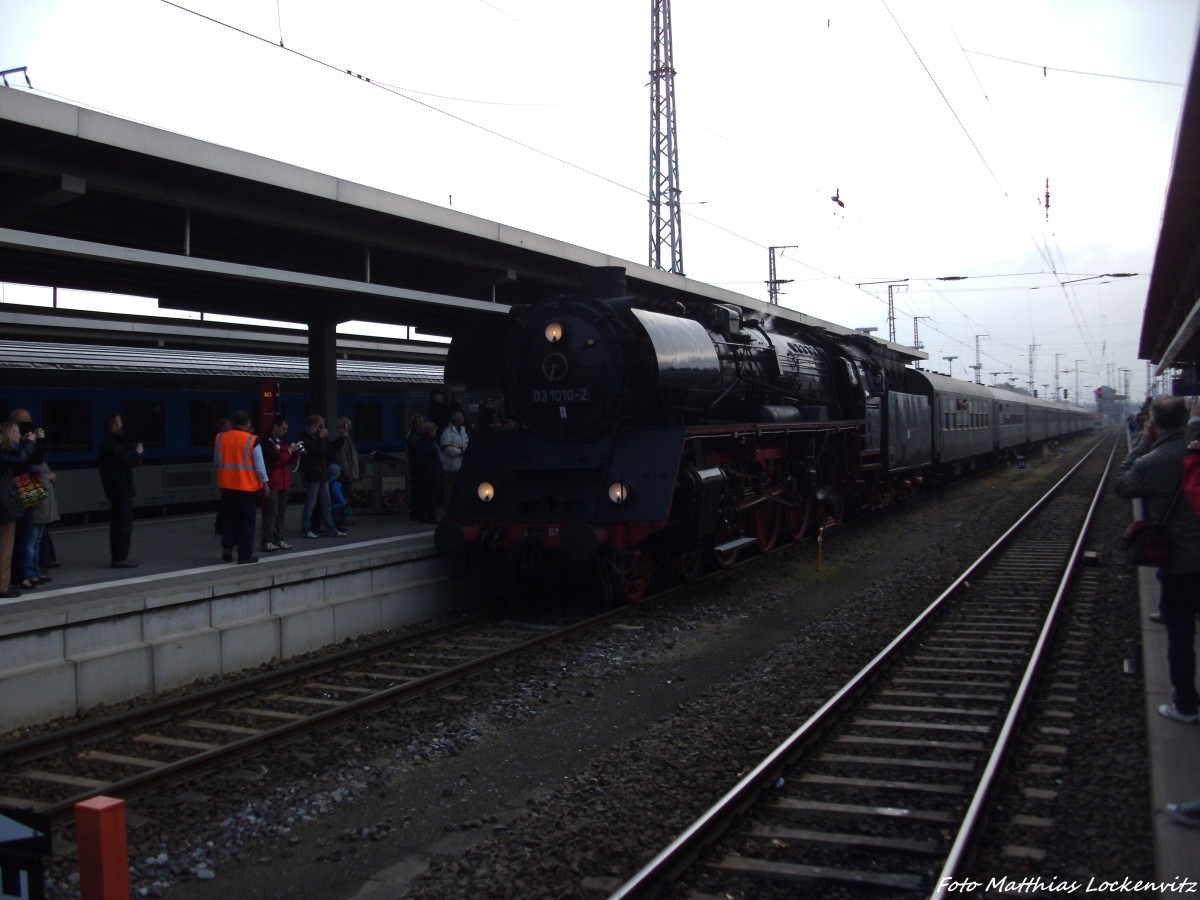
column 554, row 332
column 618, row 492
column 485, row 491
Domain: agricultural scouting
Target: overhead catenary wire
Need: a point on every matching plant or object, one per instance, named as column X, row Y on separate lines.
column 1048, row 68
column 740, row 230
column 1048, row 247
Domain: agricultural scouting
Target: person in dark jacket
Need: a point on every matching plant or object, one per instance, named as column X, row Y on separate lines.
column 116, row 474
column 1153, row 471
column 425, row 460
column 15, row 452
column 344, row 452
column 314, row 441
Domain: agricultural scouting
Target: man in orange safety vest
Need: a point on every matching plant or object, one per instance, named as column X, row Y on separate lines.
column 242, row 478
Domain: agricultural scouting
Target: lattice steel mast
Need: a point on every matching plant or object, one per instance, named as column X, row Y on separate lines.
column 666, row 232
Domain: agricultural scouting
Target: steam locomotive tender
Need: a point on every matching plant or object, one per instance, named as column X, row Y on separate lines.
column 655, row 437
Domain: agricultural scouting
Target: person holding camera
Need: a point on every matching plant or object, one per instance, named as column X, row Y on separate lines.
column 277, row 454
column 314, row 440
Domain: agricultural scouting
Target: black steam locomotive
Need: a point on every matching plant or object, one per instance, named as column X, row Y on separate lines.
column 655, row 437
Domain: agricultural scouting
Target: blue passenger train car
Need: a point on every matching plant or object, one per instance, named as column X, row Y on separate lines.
column 171, row 400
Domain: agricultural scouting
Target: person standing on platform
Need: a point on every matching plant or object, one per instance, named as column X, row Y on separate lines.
column 453, row 442
column 47, row 512
column 416, row 431
column 346, row 457
column 116, row 475
column 314, row 438
column 337, row 498
column 1153, row 471
column 40, row 515
column 242, row 478
column 22, row 576
column 15, row 452
column 277, row 456
column 426, row 462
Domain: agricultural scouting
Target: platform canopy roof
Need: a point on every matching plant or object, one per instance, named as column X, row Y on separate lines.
column 1171, row 323
column 95, row 202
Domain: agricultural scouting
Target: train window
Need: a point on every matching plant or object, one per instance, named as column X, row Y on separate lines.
column 68, row 425
column 145, row 422
column 368, row 421
column 204, row 415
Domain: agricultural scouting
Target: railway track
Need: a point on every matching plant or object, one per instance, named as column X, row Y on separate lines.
column 143, row 750
column 885, row 787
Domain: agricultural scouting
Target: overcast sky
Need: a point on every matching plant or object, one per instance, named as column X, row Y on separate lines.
column 937, row 124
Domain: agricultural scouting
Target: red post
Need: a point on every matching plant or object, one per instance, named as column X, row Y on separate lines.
column 103, row 849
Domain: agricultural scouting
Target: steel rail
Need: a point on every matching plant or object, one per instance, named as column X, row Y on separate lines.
column 675, row 858
column 973, row 819
column 197, row 764
column 53, row 741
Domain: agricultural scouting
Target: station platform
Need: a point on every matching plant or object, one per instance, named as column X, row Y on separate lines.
column 95, row 634
column 1174, row 749
column 172, row 544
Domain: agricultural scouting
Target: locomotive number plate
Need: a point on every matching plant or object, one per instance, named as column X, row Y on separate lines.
column 560, row 395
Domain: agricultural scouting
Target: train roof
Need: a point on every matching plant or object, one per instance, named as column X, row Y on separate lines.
column 946, row 384
column 59, row 357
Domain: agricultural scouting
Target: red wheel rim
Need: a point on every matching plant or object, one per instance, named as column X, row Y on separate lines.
column 798, row 517
column 766, row 525
column 726, row 558
column 690, row 563
column 632, row 575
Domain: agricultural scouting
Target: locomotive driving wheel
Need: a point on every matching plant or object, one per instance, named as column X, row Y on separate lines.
column 630, row 573
column 689, row 564
column 727, row 532
column 767, row 524
column 798, row 516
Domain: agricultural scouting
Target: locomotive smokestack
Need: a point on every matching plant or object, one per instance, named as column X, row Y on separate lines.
column 605, row 282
